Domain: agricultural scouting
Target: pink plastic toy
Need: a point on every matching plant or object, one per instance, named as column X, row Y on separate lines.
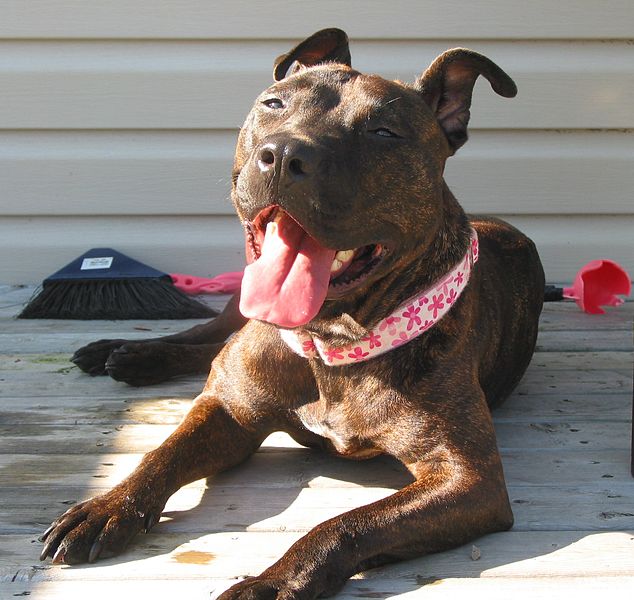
column 225, row 283
column 597, row 284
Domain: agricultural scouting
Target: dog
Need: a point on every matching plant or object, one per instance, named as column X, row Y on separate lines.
column 382, row 320
column 150, row 361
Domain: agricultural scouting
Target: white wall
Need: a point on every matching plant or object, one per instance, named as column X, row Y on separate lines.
column 118, row 120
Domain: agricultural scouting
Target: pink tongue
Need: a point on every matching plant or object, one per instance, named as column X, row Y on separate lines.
column 288, row 283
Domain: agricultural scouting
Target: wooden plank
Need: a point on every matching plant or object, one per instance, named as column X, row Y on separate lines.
column 290, row 467
column 562, row 369
column 519, row 554
column 597, row 468
column 583, row 341
column 616, row 588
column 133, row 328
column 556, row 316
column 31, row 410
column 526, row 405
column 32, row 248
column 543, row 362
column 540, row 377
column 556, row 361
column 12, row 299
column 69, row 381
column 567, row 316
column 80, row 410
column 273, row 509
column 61, row 378
column 562, row 434
column 153, row 407
column 542, row 381
column 408, row 20
column 141, row 172
column 132, row 437
column 55, row 340
column 154, row 85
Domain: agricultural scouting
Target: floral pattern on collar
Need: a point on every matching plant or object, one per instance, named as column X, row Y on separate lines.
column 408, row 321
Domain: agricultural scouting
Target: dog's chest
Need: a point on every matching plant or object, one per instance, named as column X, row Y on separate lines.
column 345, row 433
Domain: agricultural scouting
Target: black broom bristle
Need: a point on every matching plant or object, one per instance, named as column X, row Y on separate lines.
column 143, row 298
column 105, row 284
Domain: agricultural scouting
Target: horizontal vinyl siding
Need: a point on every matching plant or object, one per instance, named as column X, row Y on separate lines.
column 205, row 245
column 118, row 121
column 290, row 19
column 198, row 245
column 188, row 172
column 212, row 85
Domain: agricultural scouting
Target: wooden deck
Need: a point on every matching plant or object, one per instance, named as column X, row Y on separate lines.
column 564, row 438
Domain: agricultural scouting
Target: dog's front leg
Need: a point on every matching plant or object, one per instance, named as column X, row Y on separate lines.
column 453, row 501
column 144, row 362
column 209, row 440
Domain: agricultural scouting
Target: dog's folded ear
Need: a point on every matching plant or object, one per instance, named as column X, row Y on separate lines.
column 327, row 45
column 447, row 86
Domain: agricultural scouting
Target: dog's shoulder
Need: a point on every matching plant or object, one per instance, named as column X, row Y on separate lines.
column 492, row 230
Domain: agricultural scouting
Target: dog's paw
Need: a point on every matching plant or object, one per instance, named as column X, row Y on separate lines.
column 144, row 363
column 98, row 528
column 92, row 358
column 257, row 588
column 279, row 584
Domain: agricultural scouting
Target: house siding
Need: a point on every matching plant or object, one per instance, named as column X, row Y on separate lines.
column 118, row 121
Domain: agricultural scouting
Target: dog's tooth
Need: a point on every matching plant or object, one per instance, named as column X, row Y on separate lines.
column 271, row 228
column 344, row 255
column 336, row 265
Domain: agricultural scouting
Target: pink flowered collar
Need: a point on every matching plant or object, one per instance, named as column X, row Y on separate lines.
column 408, row 321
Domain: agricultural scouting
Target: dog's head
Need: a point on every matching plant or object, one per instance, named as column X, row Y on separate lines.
column 338, row 175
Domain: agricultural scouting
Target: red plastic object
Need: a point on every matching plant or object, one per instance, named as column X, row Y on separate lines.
column 597, row 284
column 225, row 283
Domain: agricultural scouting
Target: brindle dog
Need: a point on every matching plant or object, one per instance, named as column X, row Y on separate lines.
column 338, row 179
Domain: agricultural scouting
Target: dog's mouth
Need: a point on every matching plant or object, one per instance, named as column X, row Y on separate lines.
column 290, row 274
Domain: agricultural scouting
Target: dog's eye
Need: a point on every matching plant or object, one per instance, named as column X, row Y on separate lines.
column 274, row 103
column 384, row 132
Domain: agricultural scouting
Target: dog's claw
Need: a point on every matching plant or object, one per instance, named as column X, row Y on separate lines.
column 150, row 521
column 43, row 537
column 45, row 551
column 58, row 557
column 95, row 551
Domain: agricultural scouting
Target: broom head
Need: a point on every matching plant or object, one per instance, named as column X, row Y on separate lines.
column 105, row 284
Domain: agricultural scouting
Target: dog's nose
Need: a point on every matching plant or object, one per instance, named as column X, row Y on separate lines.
column 267, row 158
column 292, row 160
